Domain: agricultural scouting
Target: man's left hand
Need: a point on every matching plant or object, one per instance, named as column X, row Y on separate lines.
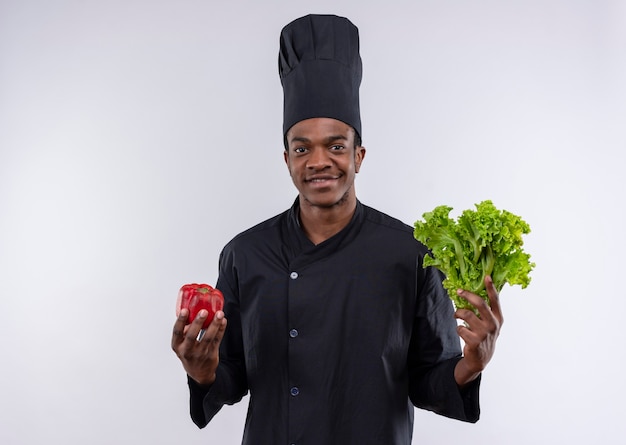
column 478, row 332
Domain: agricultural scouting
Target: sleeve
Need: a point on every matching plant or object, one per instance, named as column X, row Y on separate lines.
column 231, row 384
column 434, row 352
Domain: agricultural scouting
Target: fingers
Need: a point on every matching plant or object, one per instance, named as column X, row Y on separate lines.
column 199, row 355
column 178, row 332
column 481, row 331
column 215, row 331
column 475, row 300
column 485, row 309
column 471, row 319
column 219, row 322
column 489, row 317
column 468, row 336
column 494, row 299
column 194, row 331
column 186, row 336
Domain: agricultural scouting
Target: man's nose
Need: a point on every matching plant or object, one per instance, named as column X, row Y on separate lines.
column 319, row 159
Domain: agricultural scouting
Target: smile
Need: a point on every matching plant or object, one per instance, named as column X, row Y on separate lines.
column 321, row 179
column 321, row 183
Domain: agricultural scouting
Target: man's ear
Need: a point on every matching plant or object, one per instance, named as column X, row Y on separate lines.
column 286, row 156
column 359, row 155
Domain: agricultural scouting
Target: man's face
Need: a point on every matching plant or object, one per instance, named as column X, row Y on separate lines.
column 323, row 161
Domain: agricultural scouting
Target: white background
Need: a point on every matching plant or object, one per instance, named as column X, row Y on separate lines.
column 137, row 137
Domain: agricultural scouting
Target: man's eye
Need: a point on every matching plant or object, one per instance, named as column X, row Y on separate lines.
column 299, row 149
column 336, row 147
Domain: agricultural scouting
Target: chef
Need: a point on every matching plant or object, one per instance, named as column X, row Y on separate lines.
column 330, row 323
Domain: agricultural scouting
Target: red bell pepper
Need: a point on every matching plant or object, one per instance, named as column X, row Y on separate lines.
column 196, row 297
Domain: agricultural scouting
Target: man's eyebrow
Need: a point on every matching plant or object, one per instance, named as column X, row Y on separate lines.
column 299, row 139
column 328, row 140
column 336, row 138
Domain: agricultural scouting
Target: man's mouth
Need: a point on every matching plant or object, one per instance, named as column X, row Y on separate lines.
column 321, row 179
column 322, row 183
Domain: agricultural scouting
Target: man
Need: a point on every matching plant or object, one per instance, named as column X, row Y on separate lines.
column 334, row 327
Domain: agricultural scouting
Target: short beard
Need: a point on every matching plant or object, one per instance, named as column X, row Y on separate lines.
column 339, row 203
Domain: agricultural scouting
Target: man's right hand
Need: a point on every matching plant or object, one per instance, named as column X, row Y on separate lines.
column 199, row 357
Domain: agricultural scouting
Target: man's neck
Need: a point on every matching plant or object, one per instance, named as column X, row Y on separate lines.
column 321, row 223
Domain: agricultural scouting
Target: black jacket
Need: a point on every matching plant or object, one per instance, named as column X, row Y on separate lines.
column 334, row 341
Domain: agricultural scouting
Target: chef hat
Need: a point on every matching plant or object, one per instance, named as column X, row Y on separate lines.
column 320, row 70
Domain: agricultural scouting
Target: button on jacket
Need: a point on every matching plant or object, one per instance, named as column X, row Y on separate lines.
column 335, row 342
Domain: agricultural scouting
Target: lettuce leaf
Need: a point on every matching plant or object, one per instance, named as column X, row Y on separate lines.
column 481, row 242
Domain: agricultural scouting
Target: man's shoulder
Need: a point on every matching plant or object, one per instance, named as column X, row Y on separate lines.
column 374, row 216
column 262, row 230
column 391, row 230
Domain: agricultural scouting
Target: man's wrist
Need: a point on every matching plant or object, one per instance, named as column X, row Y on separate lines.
column 463, row 375
column 204, row 383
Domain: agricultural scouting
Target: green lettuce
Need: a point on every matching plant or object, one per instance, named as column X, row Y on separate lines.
column 481, row 242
